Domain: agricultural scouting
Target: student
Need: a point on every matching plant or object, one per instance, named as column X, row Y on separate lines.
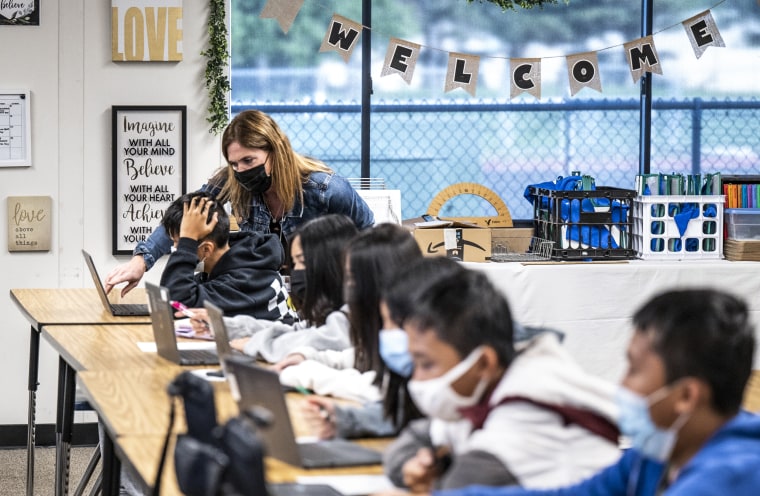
column 238, row 271
column 317, row 281
column 372, row 259
column 689, row 361
column 270, row 187
column 495, row 416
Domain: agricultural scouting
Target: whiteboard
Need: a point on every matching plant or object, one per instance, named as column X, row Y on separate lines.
column 15, row 138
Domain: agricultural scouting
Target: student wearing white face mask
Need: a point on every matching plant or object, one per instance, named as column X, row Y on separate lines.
column 496, row 416
column 690, row 358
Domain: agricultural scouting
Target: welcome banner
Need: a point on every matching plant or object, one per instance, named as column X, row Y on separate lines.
column 525, row 73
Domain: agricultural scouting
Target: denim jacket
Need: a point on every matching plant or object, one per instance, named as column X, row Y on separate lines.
column 323, row 193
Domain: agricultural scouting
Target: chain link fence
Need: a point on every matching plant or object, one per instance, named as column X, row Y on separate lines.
column 422, row 148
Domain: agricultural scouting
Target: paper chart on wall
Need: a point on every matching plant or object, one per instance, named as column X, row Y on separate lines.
column 15, row 142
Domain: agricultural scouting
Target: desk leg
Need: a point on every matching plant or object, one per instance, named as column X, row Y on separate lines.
column 64, row 424
column 34, row 359
column 111, row 468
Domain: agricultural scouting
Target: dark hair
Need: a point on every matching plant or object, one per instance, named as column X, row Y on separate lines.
column 461, row 306
column 702, row 333
column 172, row 220
column 323, row 240
column 374, row 256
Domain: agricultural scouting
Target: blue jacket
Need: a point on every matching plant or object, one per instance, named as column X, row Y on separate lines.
column 322, row 194
column 728, row 464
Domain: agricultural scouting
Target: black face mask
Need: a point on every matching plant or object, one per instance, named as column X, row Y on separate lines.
column 254, row 180
column 298, row 287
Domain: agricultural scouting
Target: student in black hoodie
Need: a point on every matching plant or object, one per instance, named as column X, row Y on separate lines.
column 236, row 271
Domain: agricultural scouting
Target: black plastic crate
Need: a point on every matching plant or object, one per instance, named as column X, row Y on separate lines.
column 585, row 225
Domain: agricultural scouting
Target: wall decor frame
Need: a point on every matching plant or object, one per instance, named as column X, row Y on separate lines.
column 15, row 128
column 20, row 13
column 149, row 146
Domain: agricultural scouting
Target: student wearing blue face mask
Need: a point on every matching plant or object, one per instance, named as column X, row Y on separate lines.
column 690, row 358
column 497, row 413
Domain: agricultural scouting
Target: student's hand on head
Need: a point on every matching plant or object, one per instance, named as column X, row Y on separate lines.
column 292, row 359
column 419, row 472
column 130, row 272
column 239, row 344
column 194, row 215
column 319, row 414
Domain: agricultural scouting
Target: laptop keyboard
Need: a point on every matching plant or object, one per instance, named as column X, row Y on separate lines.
column 199, row 357
column 129, row 309
column 332, row 453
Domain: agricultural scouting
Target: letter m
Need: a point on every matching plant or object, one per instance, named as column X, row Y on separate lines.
column 646, row 53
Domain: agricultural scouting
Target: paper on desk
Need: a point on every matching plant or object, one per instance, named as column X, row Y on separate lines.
column 350, row 485
column 150, row 346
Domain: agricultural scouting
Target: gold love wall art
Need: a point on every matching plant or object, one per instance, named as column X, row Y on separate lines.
column 30, row 223
column 146, row 30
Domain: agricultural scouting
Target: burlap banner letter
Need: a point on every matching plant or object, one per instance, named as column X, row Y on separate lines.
column 341, row 36
column 525, row 77
column 642, row 57
column 462, row 72
column 702, row 32
column 401, row 59
column 285, row 11
column 583, row 72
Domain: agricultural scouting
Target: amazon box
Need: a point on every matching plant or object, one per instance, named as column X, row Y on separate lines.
column 464, row 244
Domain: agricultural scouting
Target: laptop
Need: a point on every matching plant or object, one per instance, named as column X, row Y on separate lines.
column 221, row 338
column 116, row 309
column 162, row 321
column 258, row 387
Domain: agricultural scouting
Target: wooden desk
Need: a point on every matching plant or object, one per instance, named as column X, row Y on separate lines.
column 43, row 307
column 134, row 406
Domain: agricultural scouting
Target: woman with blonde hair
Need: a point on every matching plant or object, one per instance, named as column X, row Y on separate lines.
column 271, row 188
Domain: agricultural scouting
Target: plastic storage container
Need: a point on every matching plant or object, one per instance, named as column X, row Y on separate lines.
column 678, row 227
column 587, row 224
column 743, row 223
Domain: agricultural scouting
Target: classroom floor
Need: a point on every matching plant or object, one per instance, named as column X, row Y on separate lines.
column 13, row 470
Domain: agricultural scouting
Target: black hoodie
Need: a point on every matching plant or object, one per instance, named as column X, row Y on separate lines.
column 245, row 280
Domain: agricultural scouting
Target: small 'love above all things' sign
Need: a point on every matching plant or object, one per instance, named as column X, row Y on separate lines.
column 30, row 223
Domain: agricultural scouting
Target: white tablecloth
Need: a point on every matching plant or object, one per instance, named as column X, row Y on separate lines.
column 592, row 303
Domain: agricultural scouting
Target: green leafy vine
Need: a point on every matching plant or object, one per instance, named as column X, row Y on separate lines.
column 217, row 55
column 513, row 4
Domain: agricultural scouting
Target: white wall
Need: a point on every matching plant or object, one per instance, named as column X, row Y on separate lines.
column 66, row 64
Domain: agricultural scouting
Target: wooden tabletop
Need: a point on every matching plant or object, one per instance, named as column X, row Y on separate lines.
column 73, row 306
column 134, row 406
column 103, row 347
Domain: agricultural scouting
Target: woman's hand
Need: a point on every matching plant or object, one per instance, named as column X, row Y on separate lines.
column 130, row 272
column 239, row 344
column 292, row 359
column 319, row 414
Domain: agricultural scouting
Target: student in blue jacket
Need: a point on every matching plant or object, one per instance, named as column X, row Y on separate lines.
column 689, row 360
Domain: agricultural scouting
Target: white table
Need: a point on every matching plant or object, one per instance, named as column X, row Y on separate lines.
column 592, row 303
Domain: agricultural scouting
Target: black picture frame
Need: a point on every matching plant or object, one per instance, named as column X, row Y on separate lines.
column 27, row 14
column 149, row 166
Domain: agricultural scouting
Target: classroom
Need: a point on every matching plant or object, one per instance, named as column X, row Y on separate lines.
column 86, row 95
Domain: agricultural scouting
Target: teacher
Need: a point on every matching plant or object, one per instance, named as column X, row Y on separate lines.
column 270, row 187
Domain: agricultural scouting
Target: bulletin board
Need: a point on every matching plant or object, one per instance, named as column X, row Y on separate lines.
column 149, row 161
column 15, row 126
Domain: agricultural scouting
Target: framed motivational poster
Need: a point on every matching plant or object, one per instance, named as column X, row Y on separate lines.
column 148, row 148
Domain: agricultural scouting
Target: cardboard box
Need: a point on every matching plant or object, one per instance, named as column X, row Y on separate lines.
column 465, row 244
column 513, row 239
